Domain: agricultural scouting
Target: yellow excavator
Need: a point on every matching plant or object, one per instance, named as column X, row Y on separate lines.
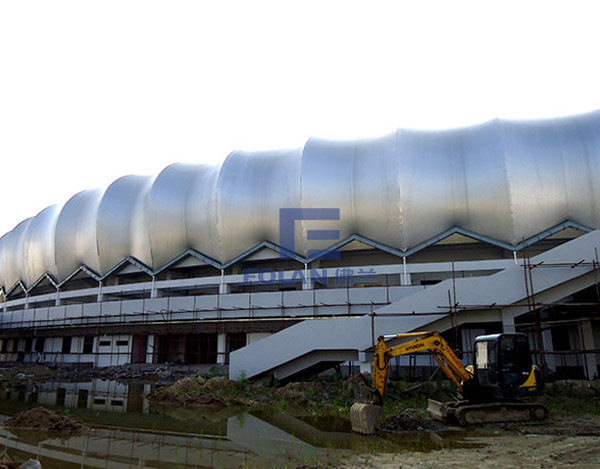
column 490, row 389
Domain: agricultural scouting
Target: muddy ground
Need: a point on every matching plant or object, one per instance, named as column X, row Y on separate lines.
column 570, row 439
column 564, row 442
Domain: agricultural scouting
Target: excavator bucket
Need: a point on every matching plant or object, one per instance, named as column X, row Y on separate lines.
column 363, row 417
column 437, row 409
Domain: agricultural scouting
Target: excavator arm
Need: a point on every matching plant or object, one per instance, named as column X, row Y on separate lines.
column 472, row 409
column 430, row 342
column 364, row 416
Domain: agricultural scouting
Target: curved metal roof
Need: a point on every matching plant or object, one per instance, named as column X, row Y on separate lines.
column 501, row 180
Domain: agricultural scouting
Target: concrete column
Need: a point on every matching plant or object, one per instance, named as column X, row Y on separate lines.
column 508, row 321
column 221, row 348
column 224, row 287
column 366, row 363
column 588, row 344
column 308, row 281
column 548, row 346
column 100, row 296
column 96, row 349
column 153, row 290
column 150, row 348
column 405, row 277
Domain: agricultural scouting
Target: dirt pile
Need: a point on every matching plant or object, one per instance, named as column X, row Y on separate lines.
column 218, row 383
column 299, row 394
column 44, row 420
column 195, row 391
column 218, row 391
column 410, row 422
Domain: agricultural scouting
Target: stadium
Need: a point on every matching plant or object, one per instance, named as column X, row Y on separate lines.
column 279, row 264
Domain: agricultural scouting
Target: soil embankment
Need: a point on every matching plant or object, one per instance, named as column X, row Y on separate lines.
column 41, row 419
column 312, row 397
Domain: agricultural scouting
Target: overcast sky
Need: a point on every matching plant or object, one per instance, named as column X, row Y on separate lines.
column 91, row 91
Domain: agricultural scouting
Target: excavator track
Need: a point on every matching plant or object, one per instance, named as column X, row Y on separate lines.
column 466, row 413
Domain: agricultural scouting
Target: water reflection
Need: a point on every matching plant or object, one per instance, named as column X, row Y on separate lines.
column 127, row 432
column 96, row 394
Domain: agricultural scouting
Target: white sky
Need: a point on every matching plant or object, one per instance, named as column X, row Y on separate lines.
column 91, row 91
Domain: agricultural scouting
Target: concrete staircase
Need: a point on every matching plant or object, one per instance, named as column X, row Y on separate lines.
column 310, row 343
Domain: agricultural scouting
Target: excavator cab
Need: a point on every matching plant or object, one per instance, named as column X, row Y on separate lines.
column 503, row 369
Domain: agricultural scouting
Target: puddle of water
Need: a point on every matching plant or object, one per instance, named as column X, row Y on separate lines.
column 128, row 432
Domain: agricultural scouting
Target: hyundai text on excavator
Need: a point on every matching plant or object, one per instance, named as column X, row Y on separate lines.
column 490, row 389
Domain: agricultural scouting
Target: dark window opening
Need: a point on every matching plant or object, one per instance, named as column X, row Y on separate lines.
column 28, row 344
column 116, row 402
column 104, row 343
column 139, row 346
column 201, row 349
column 98, row 400
column 82, row 398
column 61, row 394
column 88, row 344
column 560, row 338
column 193, row 349
column 122, row 343
column 40, row 343
column 235, row 340
column 66, row 344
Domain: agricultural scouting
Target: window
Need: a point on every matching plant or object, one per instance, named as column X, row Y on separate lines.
column 98, row 400
column 61, row 394
column 28, row 344
column 122, row 343
column 235, row 340
column 82, row 398
column 116, row 402
column 66, row 344
column 515, row 359
column 481, row 355
column 104, row 343
column 40, row 343
column 88, row 344
column 485, row 362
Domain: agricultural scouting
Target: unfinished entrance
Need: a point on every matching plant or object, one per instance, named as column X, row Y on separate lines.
column 186, row 349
